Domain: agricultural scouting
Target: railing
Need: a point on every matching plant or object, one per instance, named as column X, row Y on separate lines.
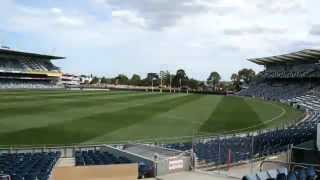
column 66, row 151
column 289, row 164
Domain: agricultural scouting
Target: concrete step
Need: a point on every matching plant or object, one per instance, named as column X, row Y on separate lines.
column 66, row 162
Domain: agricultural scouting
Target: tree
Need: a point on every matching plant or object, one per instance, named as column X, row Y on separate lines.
column 235, row 78
column 214, row 78
column 181, row 74
column 235, row 82
column 180, row 78
column 152, row 78
column 104, row 80
column 193, row 83
column 95, row 80
column 135, row 80
column 246, row 75
column 122, row 79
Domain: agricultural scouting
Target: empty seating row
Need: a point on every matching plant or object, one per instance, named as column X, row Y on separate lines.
column 308, row 101
column 308, row 173
column 27, row 84
column 27, row 64
column 83, row 158
column 276, row 91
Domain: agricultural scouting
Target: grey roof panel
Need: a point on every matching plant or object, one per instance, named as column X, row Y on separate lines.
column 14, row 53
column 304, row 55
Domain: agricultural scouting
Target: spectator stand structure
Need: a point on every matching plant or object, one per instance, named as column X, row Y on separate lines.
column 28, row 166
column 153, row 158
column 286, row 76
column 25, row 70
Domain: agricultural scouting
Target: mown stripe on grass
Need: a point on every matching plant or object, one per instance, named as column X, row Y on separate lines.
column 232, row 113
column 277, row 114
column 35, row 92
column 80, row 130
column 43, row 100
column 45, row 93
column 64, row 104
column 266, row 110
column 51, row 104
column 47, row 118
column 183, row 120
column 18, row 99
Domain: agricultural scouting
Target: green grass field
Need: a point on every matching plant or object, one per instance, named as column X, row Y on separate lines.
column 72, row 117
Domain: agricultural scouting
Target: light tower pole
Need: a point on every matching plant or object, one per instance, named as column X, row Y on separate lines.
column 170, row 82
column 152, row 85
column 161, row 80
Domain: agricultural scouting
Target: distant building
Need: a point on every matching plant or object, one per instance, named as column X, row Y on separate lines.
column 85, row 79
column 70, row 80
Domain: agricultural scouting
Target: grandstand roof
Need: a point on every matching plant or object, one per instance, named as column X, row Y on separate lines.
column 9, row 52
column 307, row 55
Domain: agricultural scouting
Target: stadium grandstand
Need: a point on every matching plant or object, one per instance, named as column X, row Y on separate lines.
column 24, row 70
column 286, row 76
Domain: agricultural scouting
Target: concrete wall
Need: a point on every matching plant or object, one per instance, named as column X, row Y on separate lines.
column 133, row 157
column 173, row 164
column 162, row 167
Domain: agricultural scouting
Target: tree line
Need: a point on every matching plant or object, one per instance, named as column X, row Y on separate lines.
column 181, row 80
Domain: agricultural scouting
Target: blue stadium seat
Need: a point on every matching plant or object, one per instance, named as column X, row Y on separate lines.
column 311, row 173
column 292, row 176
column 28, row 166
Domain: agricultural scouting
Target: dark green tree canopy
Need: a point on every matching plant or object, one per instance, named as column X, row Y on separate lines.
column 193, row 83
column 103, row 80
column 122, row 79
column 246, row 75
column 235, row 82
column 95, row 80
column 180, row 79
column 135, row 80
column 214, row 78
column 234, row 77
column 152, row 76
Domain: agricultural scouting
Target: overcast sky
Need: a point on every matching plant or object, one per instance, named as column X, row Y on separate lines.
column 108, row 37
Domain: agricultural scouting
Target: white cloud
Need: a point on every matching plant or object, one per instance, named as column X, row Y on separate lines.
column 69, row 21
column 158, row 14
column 57, row 11
column 129, row 17
column 315, row 30
column 255, row 30
column 282, row 6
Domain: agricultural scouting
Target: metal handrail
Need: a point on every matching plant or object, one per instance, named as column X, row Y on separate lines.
column 304, row 165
